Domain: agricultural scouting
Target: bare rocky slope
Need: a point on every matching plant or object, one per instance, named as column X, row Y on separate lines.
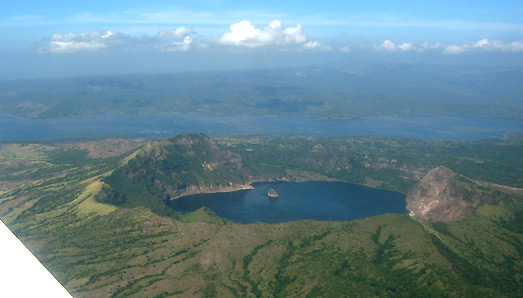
column 445, row 196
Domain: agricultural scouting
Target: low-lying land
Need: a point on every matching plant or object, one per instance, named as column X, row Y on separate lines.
column 98, row 220
column 316, row 92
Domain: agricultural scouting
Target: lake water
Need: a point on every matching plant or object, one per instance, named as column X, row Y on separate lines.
column 316, row 200
column 433, row 127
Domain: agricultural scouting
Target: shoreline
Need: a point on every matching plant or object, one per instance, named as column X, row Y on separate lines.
column 237, row 187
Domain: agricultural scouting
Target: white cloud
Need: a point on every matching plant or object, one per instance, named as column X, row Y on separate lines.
column 312, row 45
column 485, row 45
column 516, row 46
column 480, row 45
column 74, row 42
column 389, row 46
column 182, row 45
column 454, row 50
column 241, row 34
column 345, row 49
column 245, row 34
column 431, row 46
column 406, row 46
column 177, row 39
column 175, row 33
column 295, row 34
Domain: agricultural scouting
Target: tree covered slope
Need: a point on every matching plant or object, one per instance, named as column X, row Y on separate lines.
column 101, row 227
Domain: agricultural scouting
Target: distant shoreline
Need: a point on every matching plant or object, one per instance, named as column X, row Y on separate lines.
column 429, row 127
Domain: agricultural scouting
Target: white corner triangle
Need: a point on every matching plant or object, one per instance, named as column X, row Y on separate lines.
column 21, row 274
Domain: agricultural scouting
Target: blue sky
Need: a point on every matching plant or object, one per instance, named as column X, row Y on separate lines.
column 59, row 31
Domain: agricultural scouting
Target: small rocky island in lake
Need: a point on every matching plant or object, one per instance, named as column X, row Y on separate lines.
column 273, row 194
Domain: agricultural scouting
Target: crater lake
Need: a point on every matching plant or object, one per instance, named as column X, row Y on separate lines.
column 314, row 200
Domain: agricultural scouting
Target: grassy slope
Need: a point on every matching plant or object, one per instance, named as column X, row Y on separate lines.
column 97, row 250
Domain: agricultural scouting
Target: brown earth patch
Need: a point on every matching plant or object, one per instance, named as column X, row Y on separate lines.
column 108, row 147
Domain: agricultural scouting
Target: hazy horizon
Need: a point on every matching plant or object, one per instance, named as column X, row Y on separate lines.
column 55, row 39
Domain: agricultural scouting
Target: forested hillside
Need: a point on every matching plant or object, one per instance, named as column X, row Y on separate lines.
column 101, row 237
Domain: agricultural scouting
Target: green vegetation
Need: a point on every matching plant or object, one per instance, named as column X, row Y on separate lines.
column 170, row 168
column 100, row 226
column 314, row 92
column 390, row 163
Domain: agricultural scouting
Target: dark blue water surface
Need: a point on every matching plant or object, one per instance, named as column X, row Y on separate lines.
column 433, row 127
column 298, row 200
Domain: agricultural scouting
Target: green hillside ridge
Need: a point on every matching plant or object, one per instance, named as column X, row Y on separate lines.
column 185, row 164
column 193, row 163
column 101, row 227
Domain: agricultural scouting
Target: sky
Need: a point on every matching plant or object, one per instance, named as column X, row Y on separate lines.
column 71, row 38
